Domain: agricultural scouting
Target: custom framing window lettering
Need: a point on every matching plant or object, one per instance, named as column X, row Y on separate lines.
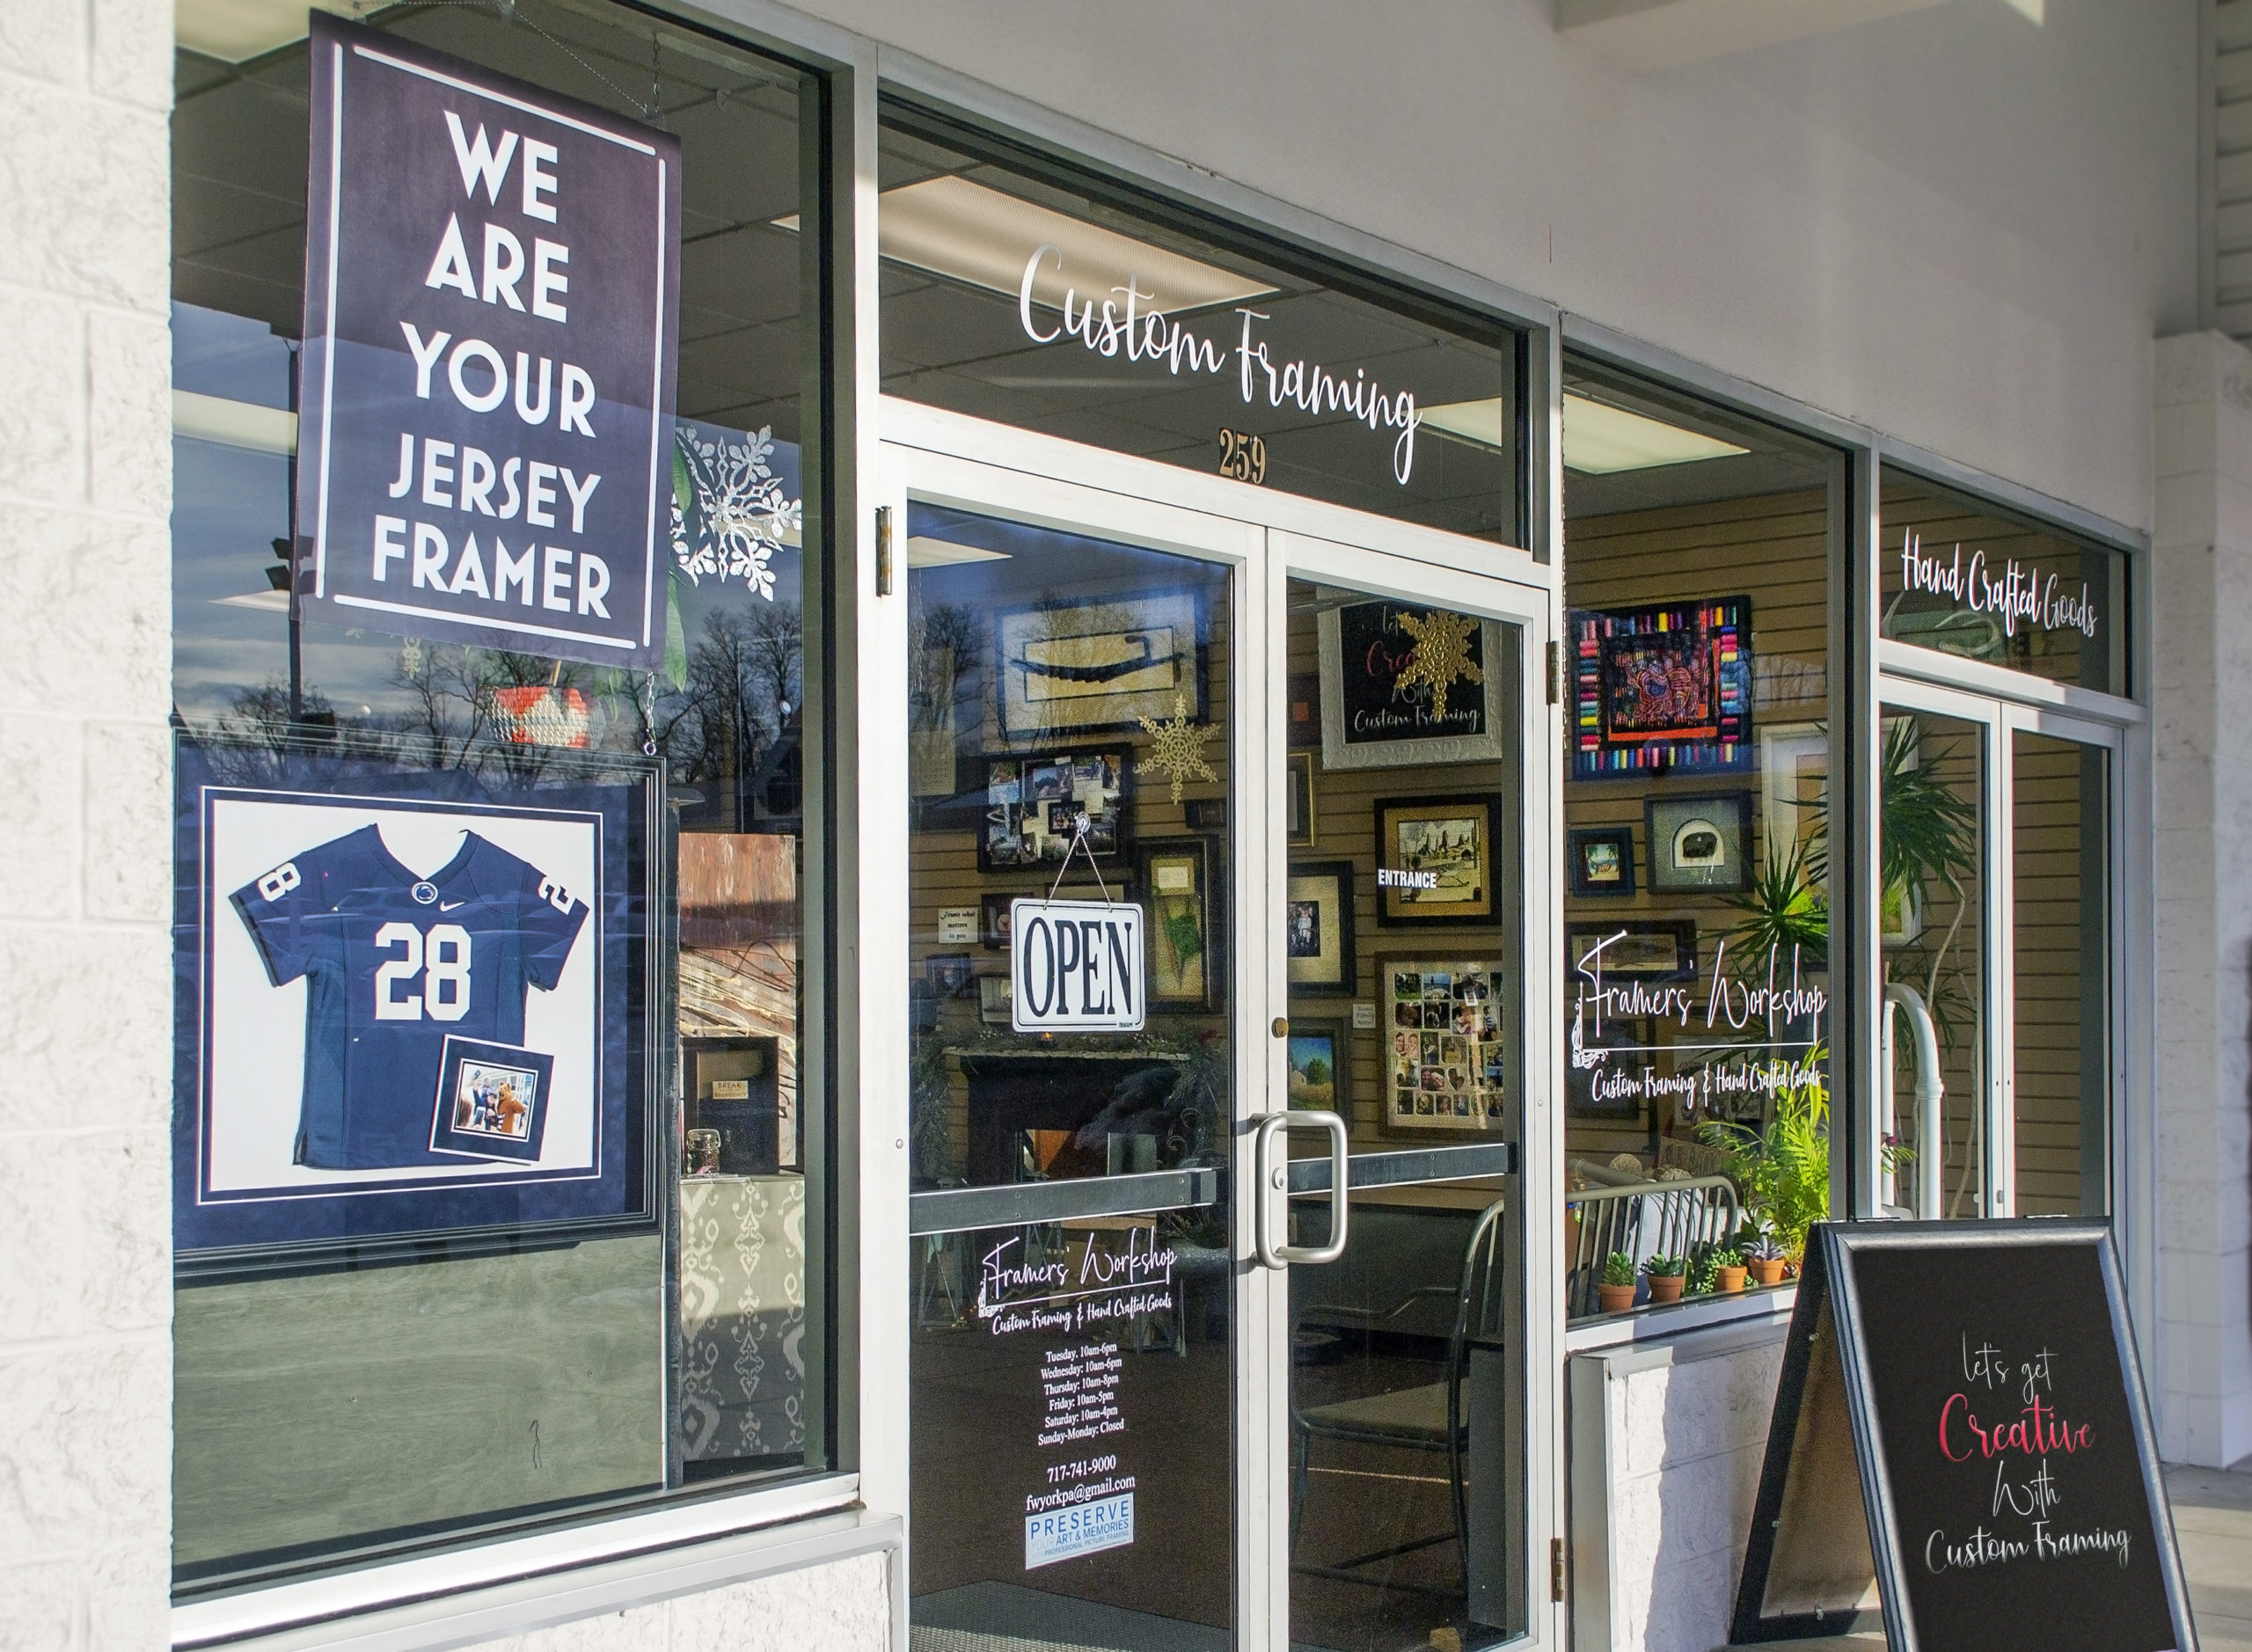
column 498, row 688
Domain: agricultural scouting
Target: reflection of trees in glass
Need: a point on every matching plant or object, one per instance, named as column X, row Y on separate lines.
column 740, row 695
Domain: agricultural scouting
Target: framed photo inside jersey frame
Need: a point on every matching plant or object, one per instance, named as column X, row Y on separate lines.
column 419, row 1003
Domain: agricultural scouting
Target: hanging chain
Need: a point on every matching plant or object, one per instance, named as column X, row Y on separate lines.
column 648, row 714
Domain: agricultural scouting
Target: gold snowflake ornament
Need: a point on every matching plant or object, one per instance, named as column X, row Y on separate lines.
column 1442, row 655
column 1179, row 751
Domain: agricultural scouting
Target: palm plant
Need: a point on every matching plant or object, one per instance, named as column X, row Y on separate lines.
column 1784, row 1169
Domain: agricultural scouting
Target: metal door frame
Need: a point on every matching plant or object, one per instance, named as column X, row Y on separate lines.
column 934, row 457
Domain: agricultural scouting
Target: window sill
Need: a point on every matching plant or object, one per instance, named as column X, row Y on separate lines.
column 488, row 1591
column 1647, row 1324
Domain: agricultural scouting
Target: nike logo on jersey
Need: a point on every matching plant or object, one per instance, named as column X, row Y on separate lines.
column 448, row 906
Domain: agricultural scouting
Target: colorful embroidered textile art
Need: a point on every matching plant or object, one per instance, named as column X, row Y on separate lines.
column 1662, row 690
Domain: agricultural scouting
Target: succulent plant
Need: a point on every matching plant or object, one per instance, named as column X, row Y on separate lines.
column 1619, row 1268
column 1668, row 1267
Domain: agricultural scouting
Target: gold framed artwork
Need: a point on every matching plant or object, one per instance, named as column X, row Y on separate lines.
column 1187, row 968
column 1318, row 928
column 1445, row 1056
column 1299, row 828
column 1436, row 860
column 1065, row 669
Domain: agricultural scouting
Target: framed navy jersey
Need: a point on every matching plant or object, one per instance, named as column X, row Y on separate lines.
column 414, row 1015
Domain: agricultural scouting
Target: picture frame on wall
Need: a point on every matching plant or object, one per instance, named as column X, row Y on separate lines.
column 1067, row 668
column 1647, row 949
column 1029, row 802
column 1302, row 704
column 1319, row 1059
column 993, row 921
column 1436, row 860
column 949, row 974
column 1188, row 965
column 1794, row 779
column 1699, row 844
column 1601, row 860
column 1662, row 689
column 1317, row 929
column 1404, row 685
column 1444, row 1051
column 1298, row 830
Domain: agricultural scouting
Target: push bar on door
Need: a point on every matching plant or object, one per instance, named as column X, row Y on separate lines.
column 1274, row 1182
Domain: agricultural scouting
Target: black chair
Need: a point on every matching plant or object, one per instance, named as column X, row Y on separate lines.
column 1428, row 1417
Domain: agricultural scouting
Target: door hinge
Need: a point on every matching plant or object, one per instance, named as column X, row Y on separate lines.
column 1555, row 673
column 883, row 550
column 1555, row 1545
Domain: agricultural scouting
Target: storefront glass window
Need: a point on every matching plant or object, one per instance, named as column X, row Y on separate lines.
column 590, row 1270
column 1062, row 306
column 1698, row 997
column 1960, row 576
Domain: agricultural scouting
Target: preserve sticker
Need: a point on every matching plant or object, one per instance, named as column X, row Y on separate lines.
column 1063, row 1534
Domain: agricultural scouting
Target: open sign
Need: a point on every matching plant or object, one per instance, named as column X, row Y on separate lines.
column 1075, row 967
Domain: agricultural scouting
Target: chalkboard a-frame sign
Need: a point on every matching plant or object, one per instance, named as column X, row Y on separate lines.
column 1962, row 1451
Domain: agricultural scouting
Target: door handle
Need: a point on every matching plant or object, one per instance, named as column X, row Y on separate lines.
column 1275, row 1187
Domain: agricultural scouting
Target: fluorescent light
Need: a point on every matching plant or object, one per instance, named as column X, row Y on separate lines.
column 1477, row 422
column 952, row 227
column 922, row 551
column 234, row 424
column 236, row 31
column 1600, row 440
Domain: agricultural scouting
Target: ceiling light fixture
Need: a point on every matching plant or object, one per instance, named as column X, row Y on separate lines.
column 1601, row 440
column 1598, row 439
column 922, row 551
column 952, row 227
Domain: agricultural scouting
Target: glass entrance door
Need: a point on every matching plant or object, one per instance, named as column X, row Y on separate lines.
column 1996, row 848
column 1406, row 849
column 1150, row 933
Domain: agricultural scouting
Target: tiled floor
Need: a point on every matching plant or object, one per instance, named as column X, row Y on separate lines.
column 2212, row 1521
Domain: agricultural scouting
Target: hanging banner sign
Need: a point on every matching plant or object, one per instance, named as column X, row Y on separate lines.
column 1075, row 966
column 492, row 296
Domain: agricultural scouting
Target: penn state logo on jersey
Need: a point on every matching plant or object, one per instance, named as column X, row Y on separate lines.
column 425, row 893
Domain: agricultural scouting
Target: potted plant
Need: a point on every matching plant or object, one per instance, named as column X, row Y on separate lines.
column 1766, row 1259
column 1669, row 1275
column 1616, row 1288
column 1728, row 1270
column 1784, row 1170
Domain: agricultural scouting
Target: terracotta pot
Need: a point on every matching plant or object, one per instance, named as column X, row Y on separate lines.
column 1616, row 1298
column 1667, row 1287
column 1731, row 1281
column 1766, row 1271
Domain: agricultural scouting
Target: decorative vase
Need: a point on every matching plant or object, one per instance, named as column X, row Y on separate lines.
column 1667, row 1287
column 1616, row 1298
column 1731, row 1281
column 1767, row 1270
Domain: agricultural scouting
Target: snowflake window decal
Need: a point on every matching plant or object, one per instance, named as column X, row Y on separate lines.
column 729, row 512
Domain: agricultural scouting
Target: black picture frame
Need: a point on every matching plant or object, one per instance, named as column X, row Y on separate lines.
column 1328, row 970
column 1675, row 826
column 1585, row 849
column 1176, row 977
column 950, row 974
column 1447, row 906
column 1007, row 815
column 1298, row 830
column 1635, row 949
column 993, row 921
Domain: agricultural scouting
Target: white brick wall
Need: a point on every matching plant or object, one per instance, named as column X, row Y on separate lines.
column 86, row 988
column 2201, row 689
